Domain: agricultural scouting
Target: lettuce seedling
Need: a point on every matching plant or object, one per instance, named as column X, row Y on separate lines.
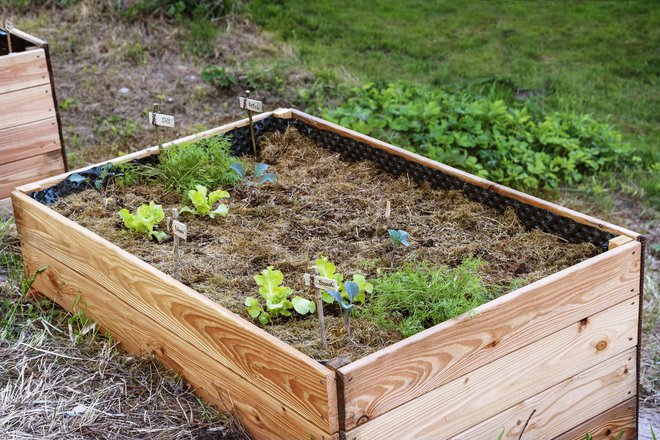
column 277, row 298
column 398, row 238
column 203, row 204
column 347, row 303
column 144, row 220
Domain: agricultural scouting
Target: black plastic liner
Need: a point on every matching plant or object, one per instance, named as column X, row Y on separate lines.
column 352, row 150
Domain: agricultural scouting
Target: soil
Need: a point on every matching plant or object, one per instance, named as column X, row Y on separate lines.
column 322, row 205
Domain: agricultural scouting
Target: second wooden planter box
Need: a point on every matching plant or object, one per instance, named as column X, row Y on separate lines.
column 557, row 358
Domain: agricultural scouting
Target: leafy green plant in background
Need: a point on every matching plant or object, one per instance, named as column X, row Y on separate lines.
column 482, row 135
column 277, row 298
column 218, row 76
column 417, row 297
column 203, row 203
column 144, row 220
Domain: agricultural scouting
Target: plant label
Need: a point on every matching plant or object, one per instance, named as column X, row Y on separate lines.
column 321, row 282
column 180, row 229
column 161, row 119
column 250, row 104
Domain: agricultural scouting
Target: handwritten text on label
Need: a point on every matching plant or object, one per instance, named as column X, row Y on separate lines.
column 180, row 229
column 161, row 119
column 250, row 104
column 321, row 282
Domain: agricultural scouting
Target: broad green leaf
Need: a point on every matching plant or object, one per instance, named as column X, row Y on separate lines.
column 352, row 290
column 268, row 177
column 303, row 306
column 217, row 195
column 259, row 169
column 239, row 169
column 159, row 235
column 221, row 210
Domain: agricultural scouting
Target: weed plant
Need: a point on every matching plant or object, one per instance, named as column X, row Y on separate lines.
column 419, row 296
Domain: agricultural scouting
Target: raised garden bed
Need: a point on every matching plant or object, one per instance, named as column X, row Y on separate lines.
column 560, row 351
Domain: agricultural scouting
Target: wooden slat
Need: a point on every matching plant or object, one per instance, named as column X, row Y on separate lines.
column 467, row 177
column 29, row 140
column 25, row 106
column 297, row 382
column 618, row 241
column 483, row 393
column 609, row 424
column 411, row 368
column 22, row 70
column 564, row 406
column 18, row 173
column 46, row 183
column 259, row 411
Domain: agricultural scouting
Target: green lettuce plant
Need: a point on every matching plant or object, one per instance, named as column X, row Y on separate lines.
column 143, row 221
column 203, row 203
column 277, row 298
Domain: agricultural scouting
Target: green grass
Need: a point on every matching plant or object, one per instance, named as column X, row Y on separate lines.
column 597, row 58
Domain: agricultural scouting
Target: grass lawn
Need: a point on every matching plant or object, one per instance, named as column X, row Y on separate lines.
column 592, row 57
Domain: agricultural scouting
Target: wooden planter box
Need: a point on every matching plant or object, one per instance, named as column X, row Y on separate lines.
column 559, row 355
column 31, row 145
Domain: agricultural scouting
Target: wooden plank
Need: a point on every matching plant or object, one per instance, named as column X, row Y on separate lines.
column 478, row 181
column 291, row 378
column 609, row 424
column 26, row 105
column 29, row 38
column 22, row 70
column 20, row 172
column 483, row 393
column 618, row 241
column 411, row 368
column 46, row 183
column 29, row 140
column 262, row 415
column 566, row 405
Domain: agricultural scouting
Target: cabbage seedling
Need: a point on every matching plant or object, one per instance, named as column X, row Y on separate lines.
column 203, row 204
column 328, row 269
column 277, row 298
column 143, row 221
column 347, row 303
column 398, row 238
column 259, row 176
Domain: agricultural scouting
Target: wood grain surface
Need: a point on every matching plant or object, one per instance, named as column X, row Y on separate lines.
column 564, row 406
column 22, row 70
column 26, row 105
column 484, row 393
column 302, row 387
column 608, row 425
column 29, row 140
column 33, row 168
column 411, row 368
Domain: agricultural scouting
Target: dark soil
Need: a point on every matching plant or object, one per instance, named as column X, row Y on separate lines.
column 321, row 205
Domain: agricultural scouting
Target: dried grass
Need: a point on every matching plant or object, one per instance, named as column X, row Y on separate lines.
column 322, row 205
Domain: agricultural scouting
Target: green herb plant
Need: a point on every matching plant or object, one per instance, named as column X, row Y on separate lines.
column 277, row 298
column 398, row 238
column 202, row 204
column 144, row 220
column 420, row 296
column 259, row 177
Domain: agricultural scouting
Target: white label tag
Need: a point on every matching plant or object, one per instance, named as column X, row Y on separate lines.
column 180, row 229
column 321, row 282
column 251, row 104
column 161, row 119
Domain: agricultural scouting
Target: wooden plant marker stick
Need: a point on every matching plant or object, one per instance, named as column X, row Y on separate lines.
column 179, row 230
column 158, row 119
column 8, row 28
column 312, row 281
column 251, row 105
